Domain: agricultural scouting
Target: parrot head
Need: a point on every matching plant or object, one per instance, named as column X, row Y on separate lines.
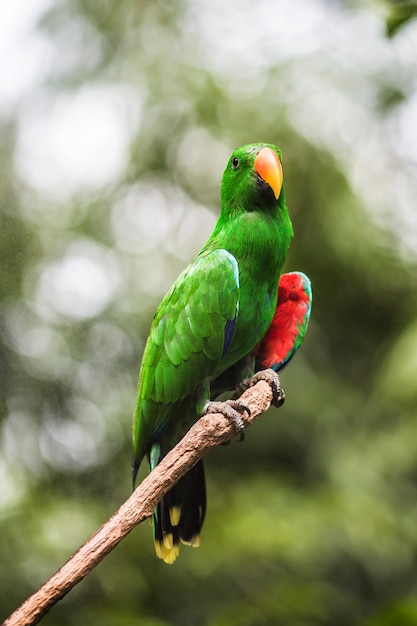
column 254, row 173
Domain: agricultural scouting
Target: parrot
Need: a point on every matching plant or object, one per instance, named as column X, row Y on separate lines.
column 208, row 332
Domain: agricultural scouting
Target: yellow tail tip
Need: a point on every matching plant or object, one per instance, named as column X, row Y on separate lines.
column 167, row 554
column 168, row 541
column 175, row 515
column 194, row 542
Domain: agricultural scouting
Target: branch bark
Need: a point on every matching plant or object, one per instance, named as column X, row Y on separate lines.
column 208, row 432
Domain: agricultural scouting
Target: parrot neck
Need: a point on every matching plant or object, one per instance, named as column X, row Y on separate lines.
column 258, row 240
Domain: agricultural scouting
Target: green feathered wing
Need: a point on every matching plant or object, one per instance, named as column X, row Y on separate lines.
column 187, row 342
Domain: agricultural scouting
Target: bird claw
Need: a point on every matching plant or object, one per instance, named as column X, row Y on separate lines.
column 269, row 376
column 232, row 410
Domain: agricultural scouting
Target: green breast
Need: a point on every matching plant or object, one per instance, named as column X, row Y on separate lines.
column 260, row 245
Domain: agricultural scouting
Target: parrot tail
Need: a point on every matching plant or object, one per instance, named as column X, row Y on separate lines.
column 180, row 514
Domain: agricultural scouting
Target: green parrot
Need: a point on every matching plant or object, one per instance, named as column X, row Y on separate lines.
column 205, row 331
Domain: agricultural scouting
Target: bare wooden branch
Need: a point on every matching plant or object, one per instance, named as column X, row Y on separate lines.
column 208, row 432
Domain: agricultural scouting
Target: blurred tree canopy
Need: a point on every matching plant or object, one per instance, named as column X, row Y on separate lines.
column 116, row 121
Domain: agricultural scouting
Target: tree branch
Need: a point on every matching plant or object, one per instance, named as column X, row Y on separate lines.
column 208, row 432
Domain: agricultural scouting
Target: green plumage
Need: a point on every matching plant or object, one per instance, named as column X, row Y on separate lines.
column 214, row 315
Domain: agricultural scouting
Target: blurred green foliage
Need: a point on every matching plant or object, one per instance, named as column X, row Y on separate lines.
column 313, row 519
column 399, row 13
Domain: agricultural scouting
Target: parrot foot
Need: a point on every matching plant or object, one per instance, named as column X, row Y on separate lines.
column 231, row 409
column 269, row 376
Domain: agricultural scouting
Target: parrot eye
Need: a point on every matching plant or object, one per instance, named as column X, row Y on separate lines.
column 235, row 163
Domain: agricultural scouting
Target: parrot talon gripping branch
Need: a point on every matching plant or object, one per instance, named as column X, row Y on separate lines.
column 230, row 409
column 271, row 377
column 229, row 314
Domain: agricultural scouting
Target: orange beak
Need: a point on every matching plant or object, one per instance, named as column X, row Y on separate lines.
column 269, row 168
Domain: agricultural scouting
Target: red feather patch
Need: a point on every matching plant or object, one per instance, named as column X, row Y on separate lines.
column 289, row 324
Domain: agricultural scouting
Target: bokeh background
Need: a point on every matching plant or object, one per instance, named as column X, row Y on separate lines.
column 116, row 122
